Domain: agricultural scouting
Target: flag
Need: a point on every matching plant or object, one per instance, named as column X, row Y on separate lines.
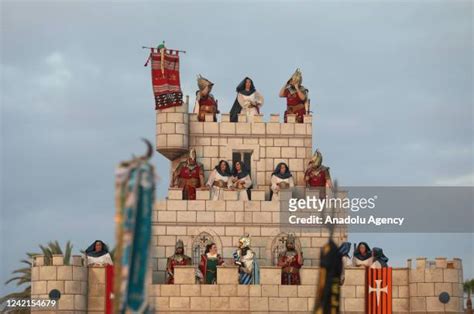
column 134, row 198
column 379, row 290
column 109, row 286
column 165, row 79
column 329, row 284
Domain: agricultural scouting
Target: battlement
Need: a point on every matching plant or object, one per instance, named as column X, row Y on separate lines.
column 81, row 288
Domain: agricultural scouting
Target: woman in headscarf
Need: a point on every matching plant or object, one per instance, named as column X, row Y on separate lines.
column 380, row 260
column 241, row 180
column 344, row 251
column 281, row 179
column 207, row 269
column 248, row 99
column 98, row 254
column 219, row 179
column 362, row 255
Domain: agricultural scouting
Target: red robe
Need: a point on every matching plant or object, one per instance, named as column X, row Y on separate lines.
column 294, row 105
column 207, row 104
column 290, row 273
column 317, row 177
column 174, row 261
column 189, row 180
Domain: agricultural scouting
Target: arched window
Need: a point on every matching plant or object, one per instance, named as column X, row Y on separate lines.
column 279, row 246
column 199, row 246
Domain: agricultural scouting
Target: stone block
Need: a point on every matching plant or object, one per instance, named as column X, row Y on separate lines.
column 273, row 152
column 425, row 289
column 177, row 204
column 175, row 140
column 38, row 260
column 80, row 303
column 288, row 152
column 270, row 290
column 300, row 129
column 227, row 128
column 38, row 287
column 420, row 262
column 216, row 205
column 278, row 304
column 243, row 129
column 58, row 259
column 205, row 217
column 355, row 276
column 258, row 195
column 258, row 128
column 258, row 304
column 96, row 290
column 66, row 302
column 239, row 303
column 274, row 118
column 455, row 305
column 54, row 284
column 175, row 194
column 288, row 291
column 224, row 217
column 231, row 195
column 186, row 216
column 298, row 142
column 433, row 305
column 171, row 290
column 96, row 275
column 201, row 303
column 306, row 291
column 184, row 275
column 182, row 303
column 47, row 273
column 400, row 276
column 227, row 275
column 434, row 275
column 35, row 273
column 400, row 305
column 196, row 205
column 273, row 128
column 307, row 118
column 190, row 290
column 64, row 273
column 242, row 118
column 288, row 129
column 416, row 275
column 417, row 304
column 354, row 305
column 257, row 118
column 270, row 275
column 228, row 290
column 269, row 206
column 167, row 216
column 262, row 217
column 210, row 290
column 255, row 290
column 451, row 275
column 296, row 164
column 348, row 291
column 441, row 262
column 297, row 304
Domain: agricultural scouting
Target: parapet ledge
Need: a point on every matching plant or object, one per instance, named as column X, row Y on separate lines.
column 57, row 260
column 438, row 262
column 242, row 118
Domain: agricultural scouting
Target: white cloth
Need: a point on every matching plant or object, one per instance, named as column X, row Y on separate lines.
column 101, row 260
column 376, row 264
column 242, row 193
column 357, row 262
column 276, row 189
column 217, row 193
column 250, row 103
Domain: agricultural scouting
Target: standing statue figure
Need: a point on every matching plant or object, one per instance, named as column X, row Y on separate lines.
column 178, row 259
column 248, row 99
column 205, row 102
column 244, row 257
column 317, row 175
column 296, row 97
column 290, row 262
column 189, row 175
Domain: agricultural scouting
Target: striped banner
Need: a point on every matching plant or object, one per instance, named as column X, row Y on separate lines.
column 378, row 290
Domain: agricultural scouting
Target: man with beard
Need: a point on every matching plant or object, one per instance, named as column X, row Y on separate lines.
column 290, row 262
column 189, row 175
column 244, row 257
column 178, row 259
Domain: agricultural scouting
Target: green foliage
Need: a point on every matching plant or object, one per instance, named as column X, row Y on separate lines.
column 469, row 286
column 22, row 275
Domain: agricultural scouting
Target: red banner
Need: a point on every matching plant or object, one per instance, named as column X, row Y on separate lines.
column 165, row 79
column 378, row 290
column 109, row 288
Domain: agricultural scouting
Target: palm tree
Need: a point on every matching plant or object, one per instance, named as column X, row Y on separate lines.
column 23, row 275
column 468, row 289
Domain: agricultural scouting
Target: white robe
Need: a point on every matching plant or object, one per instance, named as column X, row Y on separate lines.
column 217, row 193
column 101, row 260
column 276, row 189
column 357, row 262
column 250, row 104
column 242, row 193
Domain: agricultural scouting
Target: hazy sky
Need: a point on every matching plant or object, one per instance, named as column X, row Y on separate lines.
column 390, row 83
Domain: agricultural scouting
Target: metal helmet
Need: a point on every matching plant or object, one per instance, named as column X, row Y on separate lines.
column 317, row 158
column 179, row 244
column 245, row 241
column 291, row 239
column 203, row 82
column 192, row 154
column 297, row 77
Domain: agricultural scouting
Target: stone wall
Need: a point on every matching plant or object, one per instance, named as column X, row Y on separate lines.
column 70, row 280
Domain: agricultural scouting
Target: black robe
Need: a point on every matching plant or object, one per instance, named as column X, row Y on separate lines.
column 236, row 107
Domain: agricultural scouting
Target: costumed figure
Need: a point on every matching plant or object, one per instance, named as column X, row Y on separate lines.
column 178, row 259
column 296, row 97
column 219, row 179
column 290, row 262
column 317, row 175
column 241, row 181
column 207, row 269
column 244, row 257
column 205, row 102
column 346, row 260
column 362, row 255
column 98, row 254
column 281, row 179
column 379, row 259
column 188, row 175
column 248, row 99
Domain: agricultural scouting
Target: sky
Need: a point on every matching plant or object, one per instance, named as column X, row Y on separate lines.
column 390, row 84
